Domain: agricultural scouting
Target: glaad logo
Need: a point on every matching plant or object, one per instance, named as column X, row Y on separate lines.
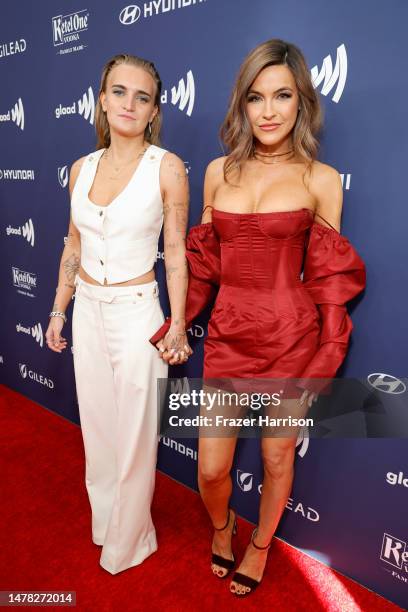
column 394, row 479
column 66, row 28
column 27, row 230
column 16, row 114
column 183, row 95
column 86, row 107
column 345, row 181
column 303, row 441
column 36, row 332
column 131, row 13
column 332, row 77
column 245, row 480
column 394, row 552
column 63, row 176
column 38, row 378
column 386, row 383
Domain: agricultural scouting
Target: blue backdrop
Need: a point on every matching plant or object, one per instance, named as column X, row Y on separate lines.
column 347, row 508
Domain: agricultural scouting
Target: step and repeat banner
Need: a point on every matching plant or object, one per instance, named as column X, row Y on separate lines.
column 348, row 506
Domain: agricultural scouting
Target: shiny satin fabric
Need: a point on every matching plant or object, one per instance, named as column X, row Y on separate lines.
column 268, row 322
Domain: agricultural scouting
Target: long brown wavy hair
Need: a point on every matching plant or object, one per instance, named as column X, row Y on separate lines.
column 236, row 131
column 101, row 122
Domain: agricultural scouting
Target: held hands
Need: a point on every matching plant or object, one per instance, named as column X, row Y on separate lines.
column 308, row 397
column 174, row 347
column 53, row 337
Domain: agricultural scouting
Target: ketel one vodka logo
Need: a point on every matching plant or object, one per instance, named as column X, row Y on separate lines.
column 333, row 78
column 85, row 107
column 394, row 552
column 24, row 280
column 15, row 114
column 182, row 95
column 66, row 28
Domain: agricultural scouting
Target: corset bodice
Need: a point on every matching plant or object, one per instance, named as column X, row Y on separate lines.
column 262, row 250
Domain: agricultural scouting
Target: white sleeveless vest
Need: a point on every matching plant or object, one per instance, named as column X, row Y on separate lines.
column 119, row 241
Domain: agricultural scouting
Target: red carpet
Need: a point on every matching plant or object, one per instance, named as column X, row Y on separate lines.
column 46, row 536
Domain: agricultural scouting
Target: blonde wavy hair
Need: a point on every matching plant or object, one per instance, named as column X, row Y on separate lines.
column 236, row 132
column 101, row 122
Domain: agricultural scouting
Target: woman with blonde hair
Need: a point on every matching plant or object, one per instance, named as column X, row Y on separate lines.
column 271, row 210
column 121, row 195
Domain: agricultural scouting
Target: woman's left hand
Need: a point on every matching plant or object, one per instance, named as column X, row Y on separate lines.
column 174, row 347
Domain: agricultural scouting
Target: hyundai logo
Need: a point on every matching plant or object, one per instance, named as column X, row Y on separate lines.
column 130, row 14
column 386, row 383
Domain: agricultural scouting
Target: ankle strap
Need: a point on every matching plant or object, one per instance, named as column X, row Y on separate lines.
column 226, row 524
column 255, row 531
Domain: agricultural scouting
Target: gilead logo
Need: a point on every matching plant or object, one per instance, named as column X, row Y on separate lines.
column 63, row 176
column 38, row 378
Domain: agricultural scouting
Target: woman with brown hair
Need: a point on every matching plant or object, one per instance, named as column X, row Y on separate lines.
column 121, row 195
column 270, row 210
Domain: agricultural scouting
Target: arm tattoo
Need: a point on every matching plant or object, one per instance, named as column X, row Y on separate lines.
column 71, row 267
column 181, row 176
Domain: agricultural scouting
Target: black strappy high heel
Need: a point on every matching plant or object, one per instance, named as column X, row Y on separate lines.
column 243, row 579
column 227, row 564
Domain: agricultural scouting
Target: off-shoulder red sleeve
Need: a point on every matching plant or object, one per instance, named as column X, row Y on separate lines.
column 333, row 274
column 203, row 256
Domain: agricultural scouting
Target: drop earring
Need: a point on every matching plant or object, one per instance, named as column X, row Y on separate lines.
column 150, row 128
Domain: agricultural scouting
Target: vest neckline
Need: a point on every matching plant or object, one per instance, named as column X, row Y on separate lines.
column 132, row 178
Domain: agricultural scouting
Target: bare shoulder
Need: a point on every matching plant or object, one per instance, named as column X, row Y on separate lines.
column 214, row 177
column 75, row 169
column 215, row 169
column 172, row 166
column 326, row 186
column 323, row 176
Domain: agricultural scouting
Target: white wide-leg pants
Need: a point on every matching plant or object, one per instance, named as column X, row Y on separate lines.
column 116, row 369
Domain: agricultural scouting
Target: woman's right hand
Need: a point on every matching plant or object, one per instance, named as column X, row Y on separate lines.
column 53, row 337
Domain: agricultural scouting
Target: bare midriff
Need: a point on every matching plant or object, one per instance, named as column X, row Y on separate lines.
column 139, row 280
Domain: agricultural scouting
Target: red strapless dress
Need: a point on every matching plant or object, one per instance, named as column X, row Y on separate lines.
column 267, row 322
